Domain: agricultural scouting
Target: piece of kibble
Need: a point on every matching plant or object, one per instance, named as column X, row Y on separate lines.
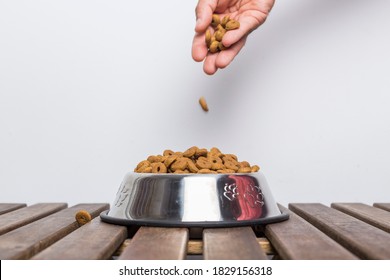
column 255, row 168
column 232, row 24
column 215, row 20
column 208, row 38
column 225, row 20
column 83, row 217
column 214, row 47
column 219, row 35
column 203, row 104
column 195, row 160
column 159, row 167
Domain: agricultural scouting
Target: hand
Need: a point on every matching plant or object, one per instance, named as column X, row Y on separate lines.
column 250, row 13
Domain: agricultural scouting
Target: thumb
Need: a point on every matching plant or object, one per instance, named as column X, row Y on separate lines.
column 204, row 12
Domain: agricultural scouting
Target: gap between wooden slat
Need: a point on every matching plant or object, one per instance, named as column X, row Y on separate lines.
column 8, row 207
column 371, row 215
column 26, row 215
column 384, row 206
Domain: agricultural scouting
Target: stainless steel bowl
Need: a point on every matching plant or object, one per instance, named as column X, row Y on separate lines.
column 194, row 200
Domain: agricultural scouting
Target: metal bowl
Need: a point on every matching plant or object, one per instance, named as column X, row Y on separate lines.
column 194, row 200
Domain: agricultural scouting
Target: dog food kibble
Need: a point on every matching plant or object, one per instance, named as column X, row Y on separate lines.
column 195, row 160
column 215, row 20
column 219, row 27
column 203, row 104
column 232, row 24
column 158, row 167
column 83, row 217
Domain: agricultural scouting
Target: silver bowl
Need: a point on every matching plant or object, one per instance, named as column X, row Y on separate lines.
column 194, row 200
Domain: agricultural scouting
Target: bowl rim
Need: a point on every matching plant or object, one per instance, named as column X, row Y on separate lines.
column 193, row 174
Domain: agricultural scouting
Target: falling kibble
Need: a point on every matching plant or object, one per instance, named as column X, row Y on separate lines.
column 203, row 104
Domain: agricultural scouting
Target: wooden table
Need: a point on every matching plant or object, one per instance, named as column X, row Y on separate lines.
column 314, row 231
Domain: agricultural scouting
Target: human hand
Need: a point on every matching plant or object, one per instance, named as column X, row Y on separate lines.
column 250, row 13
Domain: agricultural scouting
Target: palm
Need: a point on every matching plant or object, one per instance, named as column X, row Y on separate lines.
column 250, row 13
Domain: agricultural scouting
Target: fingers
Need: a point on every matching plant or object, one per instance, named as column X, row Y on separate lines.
column 204, row 12
column 209, row 66
column 225, row 57
column 199, row 48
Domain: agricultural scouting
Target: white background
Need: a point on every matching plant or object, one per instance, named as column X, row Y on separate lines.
column 90, row 88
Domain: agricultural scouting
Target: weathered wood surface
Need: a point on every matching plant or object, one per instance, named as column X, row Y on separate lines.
column 238, row 243
column 157, row 243
column 374, row 216
column 384, row 206
column 195, row 246
column 314, row 231
column 296, row 239
column 28, row 240
column 95, row 240
column 362, row 239
column 26, row 215
column 8, row 207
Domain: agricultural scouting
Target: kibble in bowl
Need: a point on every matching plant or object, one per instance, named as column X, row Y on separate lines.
column 195, row 160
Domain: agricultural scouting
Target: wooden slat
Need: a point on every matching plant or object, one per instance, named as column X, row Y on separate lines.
column 26, row 241
column 384, row 206
column 26, row 215
column 157, row 243
column 8, row 207
column 195, row 246
column 364, row 240
column 238, row 243
column 374, row 216
column 93, row 241
column 296, row 239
